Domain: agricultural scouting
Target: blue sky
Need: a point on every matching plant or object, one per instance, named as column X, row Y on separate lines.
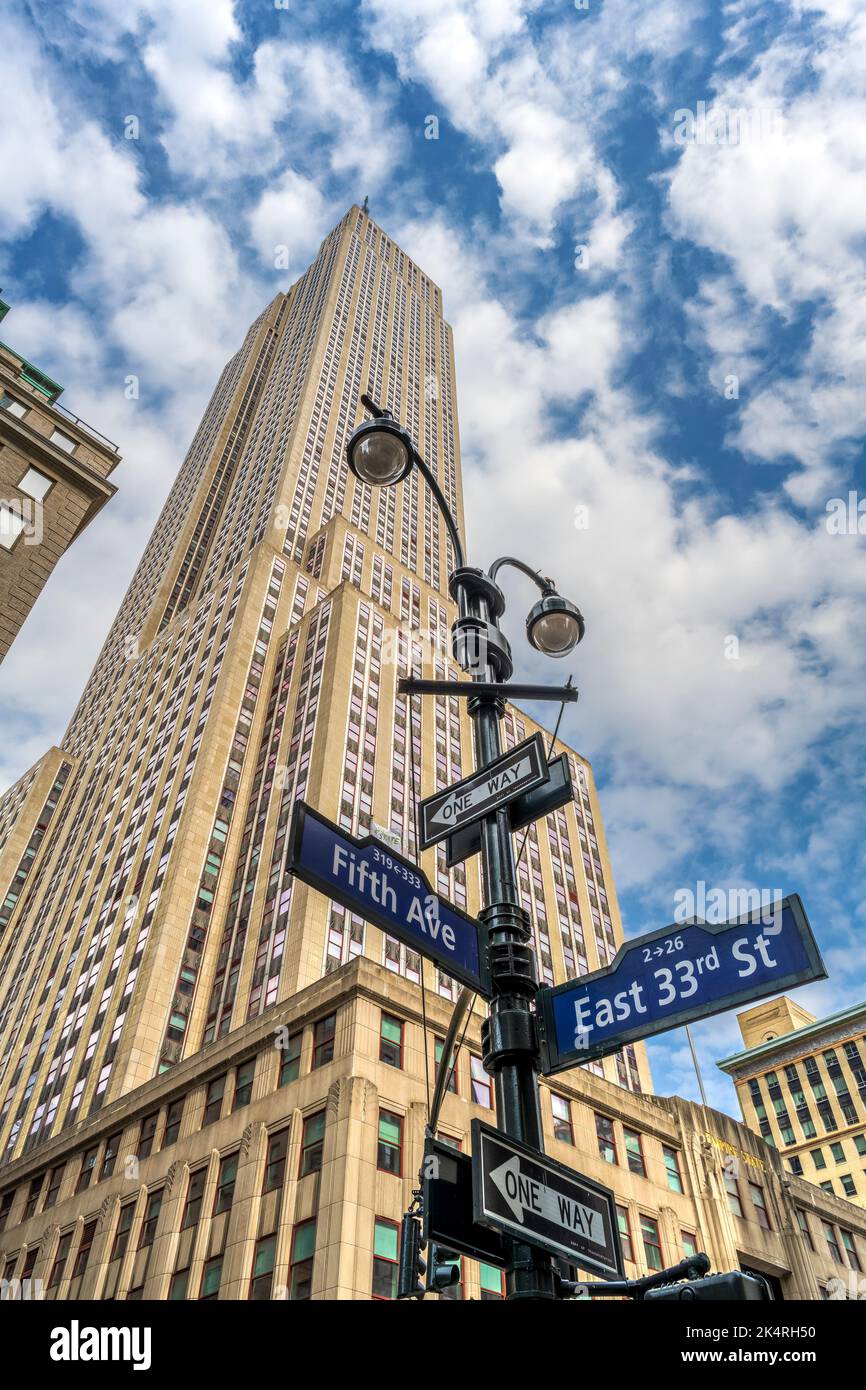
column 659, row 419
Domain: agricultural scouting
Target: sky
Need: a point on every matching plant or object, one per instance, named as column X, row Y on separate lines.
column 648, row 223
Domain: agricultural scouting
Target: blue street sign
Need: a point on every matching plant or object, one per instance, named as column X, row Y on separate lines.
column 671, row 977
column 391, row 892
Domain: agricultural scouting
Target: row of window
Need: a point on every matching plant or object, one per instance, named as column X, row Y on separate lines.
column 161, row 1128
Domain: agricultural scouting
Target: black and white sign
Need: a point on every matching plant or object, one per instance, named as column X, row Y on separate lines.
column 532, row 1197
column 485, row 791
column 527, row 807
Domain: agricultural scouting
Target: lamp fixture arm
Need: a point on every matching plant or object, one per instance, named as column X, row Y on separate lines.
column 546, row 586
column 379, row 413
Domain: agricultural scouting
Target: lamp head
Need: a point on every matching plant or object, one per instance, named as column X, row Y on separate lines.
column 554, row 624
column 380, row 452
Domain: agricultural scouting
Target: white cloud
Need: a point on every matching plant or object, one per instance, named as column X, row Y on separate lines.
column 787, row 214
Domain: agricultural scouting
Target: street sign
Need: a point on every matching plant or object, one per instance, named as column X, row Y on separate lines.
column 530, row 806
column 671, row 977
column 448, row 1219
column 531, row 1197
column 371, row 879
column 483, row 792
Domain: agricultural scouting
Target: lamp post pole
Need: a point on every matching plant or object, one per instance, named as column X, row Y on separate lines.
column 509, row 1042
column 510, row 1049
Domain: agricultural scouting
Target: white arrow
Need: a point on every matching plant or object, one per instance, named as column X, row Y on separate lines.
column 484, row 791
column 523, row 1193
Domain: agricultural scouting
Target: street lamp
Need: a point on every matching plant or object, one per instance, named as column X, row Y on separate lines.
column 380, row 452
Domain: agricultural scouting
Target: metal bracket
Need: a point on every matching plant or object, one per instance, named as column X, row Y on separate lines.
column 494, row 690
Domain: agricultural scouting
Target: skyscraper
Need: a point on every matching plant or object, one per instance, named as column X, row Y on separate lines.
column 54, row 473
column 213, row 1080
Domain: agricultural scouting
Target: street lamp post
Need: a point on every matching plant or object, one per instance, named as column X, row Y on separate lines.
column 381, row 453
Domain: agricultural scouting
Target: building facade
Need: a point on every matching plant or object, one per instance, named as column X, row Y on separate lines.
column 213, row 1080
column 801, row 1083
column 54, row 472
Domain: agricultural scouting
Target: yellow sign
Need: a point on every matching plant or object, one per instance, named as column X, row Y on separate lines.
column 732, row 1149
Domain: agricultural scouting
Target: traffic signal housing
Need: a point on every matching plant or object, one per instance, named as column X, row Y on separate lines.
column 411, row 1267
column 444, row 1269
column 743, row 1288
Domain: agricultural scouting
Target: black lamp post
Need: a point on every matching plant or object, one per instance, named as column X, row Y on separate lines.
column 381, row 453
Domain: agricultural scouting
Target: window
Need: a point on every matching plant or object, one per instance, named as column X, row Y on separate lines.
column 244, row 1084
column 606, row 1140
column 54, row 1181
column 33, row 1192
column 385, row 1248
column 172, row 1123
column 226, row 1184
column 733, row 1190
column 389, row 1158
column 818, row 1159
column 652, row 1249
column 194, row 1194
column 147, row 1134
column 391, row 1041
column 210, row 1279
column 85, row 1173
column 838, row 1152
column 850, row 1250
column 213, row 1101
column 109, row 1158
column 11, row 526
column 124, row 1225
column 634, row 1152
column 482, row 1083
column 290, row 1066
column 805, row 1229
column 759, row 1202
column 177, row 1287
column 622, row 1222
column 151, row 1216
column 16, row 408
column 561, row 1111
column 35, row 484
column 312, row 1143
column 275, row 1164
column 323, row 1041
column 452, row 1079
column 848, row 1185
column 830, row 1233
column 62, row 441
column 690, row 1245
column 60, row 1260
column 5, row 1207
column 301, row 1265
column 672, row 1166
column 263, row 1268
column 492, row 1282
column 860, row 1144
column 84, row 1248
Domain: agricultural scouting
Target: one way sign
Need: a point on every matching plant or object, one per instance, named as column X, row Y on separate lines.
column 530, row 1196
column 516, row 772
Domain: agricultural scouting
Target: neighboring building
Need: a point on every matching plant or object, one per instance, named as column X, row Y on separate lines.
column 801, row 1083
column 53, row 480
column 212, row 1079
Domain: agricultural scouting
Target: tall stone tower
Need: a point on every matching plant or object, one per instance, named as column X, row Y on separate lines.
column 170, row 999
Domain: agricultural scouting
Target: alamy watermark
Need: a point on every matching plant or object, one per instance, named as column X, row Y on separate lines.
column 762, row 905
column 727, row 125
